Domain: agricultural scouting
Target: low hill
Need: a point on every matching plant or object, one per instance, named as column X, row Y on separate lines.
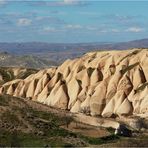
column 27, row 61
column 24, row 123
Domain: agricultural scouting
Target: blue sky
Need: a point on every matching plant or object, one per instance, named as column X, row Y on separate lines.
column 73, row 21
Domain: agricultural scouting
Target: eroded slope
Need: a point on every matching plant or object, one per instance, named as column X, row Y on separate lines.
column 99, row 83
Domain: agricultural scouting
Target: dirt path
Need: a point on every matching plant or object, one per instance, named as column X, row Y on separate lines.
column 86, row 130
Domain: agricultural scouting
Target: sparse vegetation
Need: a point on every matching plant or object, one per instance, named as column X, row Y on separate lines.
column 45, row 128
column 26, row 61
column 85, row 110
column 4, row 101
column 111, row 130
column 103, row 140
column 10, row 117
column 23, row 125
column 139, row 141
column 17, row 139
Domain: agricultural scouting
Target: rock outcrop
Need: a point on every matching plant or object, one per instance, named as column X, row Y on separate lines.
column 103, row 83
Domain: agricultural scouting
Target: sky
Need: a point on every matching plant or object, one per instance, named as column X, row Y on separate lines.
column 73, row 21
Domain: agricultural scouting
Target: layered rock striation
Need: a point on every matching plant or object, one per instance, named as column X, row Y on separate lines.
column 106, row 83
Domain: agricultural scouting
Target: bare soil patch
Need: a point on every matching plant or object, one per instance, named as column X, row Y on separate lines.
column 87, row 130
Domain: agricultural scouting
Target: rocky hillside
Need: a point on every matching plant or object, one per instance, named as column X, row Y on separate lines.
column 12, row 73
column 26, row 61
column 107, row 84
column 25, row 123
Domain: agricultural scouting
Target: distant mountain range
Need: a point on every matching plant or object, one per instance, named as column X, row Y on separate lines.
column 60, row 51
column 35, row 47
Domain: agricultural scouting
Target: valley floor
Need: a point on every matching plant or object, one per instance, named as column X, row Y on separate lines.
column 27, row 123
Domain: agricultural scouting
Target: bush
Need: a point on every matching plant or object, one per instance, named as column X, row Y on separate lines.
column 4, row 101
column 103, row 140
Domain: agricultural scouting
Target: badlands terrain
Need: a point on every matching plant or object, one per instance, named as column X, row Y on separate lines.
column 104, row 88
column 103, row 84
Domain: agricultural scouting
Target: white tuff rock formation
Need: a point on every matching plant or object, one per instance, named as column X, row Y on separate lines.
column 104, row 83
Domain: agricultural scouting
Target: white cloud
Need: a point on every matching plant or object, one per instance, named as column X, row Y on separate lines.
column 70, row 26
column 24, row 22
column 91, row 28
column 134, row 29
column 69, row 2
column 88, row 13
column 62, row 2
column 103, row 31
column 72, row 2
column 115, row 30
column 49, row 29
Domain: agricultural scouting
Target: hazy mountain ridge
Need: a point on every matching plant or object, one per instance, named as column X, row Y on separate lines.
column 61, row 51
column 35, row 47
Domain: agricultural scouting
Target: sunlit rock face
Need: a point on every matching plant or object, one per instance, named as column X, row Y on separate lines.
column 106, row 83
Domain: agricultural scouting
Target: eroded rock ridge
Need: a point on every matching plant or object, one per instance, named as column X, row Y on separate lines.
column 103, row 84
